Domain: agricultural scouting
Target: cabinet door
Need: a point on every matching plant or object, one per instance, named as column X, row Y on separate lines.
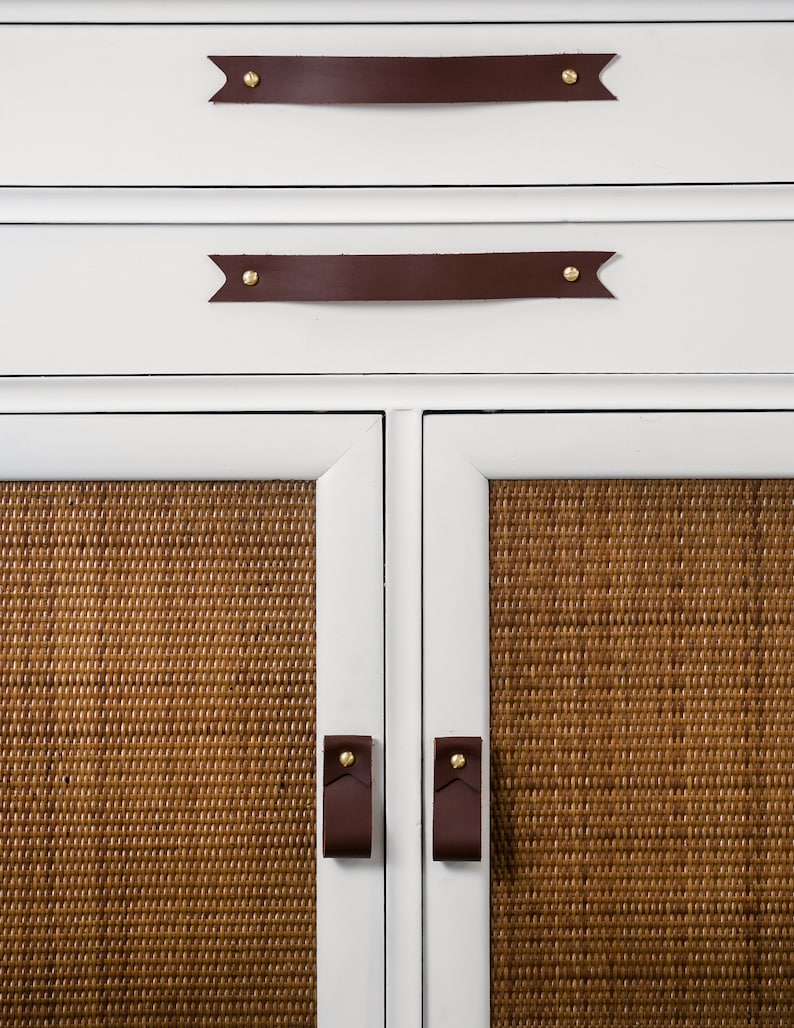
column 625, row 583
column 189, row 603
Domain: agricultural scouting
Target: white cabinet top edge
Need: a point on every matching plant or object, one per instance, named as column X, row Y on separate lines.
column 296, row 11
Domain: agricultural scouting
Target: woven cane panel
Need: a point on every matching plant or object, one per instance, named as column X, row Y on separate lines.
column 642, row 677
column 157, row 754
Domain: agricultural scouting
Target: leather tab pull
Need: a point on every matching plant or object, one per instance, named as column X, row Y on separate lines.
column 417, row 277
column 505, row 78
column 457, row 798
column 347, row 796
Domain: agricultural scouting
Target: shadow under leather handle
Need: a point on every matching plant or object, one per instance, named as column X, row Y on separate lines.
column 412, row 80
column 263, row 278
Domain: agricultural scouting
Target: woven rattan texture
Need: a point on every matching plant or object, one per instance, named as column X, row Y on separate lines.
column 642, row 677
column 157, row 754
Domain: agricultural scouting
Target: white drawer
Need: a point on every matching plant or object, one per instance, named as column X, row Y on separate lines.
column 130, row 105
column 689, row 297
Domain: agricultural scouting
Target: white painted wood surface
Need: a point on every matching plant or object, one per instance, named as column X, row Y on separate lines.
column 132, row 11
column 691, row 297
column 456, row 702
column 104, row 105
column 345, row 455
column 403, row 584
column 462, row 453
column 396, row 393
column 384, row 206
column 350, row 691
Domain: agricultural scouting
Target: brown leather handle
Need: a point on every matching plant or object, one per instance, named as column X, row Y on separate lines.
column 457, row 798
column 325, row 278
column 412, row 80
column 347, row 796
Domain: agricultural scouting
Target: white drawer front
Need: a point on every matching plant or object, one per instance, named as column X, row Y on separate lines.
column 129, row 105
column 689, row 297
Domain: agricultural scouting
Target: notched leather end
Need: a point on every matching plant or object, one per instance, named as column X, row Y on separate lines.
column 234, row 90
column 607, row 59
column 218, row 260
column 606, row 294
column 217, row 97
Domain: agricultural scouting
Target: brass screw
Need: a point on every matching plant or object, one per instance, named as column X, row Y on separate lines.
column 571, row 274
column 570, row 77
column 250, row 278
column 346, row 758
column 457, row 760
column 251, row 79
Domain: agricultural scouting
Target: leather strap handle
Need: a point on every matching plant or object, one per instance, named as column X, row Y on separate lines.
column 412, row 80
column 266, row 278
column 457, row 798
column 347, row 796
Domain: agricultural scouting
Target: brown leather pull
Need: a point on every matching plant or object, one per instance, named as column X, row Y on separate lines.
column 412, row 80
column 265, row 278
column 347, row 796
column 457, row 798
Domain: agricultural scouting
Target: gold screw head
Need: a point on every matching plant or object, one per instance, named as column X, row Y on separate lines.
column 346, row 758
column 570, row 77
column 571, row 274
column 251, row 79
column 458, row 761
column 250, row 278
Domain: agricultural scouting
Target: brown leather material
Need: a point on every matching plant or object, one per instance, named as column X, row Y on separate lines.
column 412, row 80
column 457, row 800
column 334, row 278
column 347, row 797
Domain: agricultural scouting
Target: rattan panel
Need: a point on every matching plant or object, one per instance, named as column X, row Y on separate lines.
column 642, row 708
column 157, row 753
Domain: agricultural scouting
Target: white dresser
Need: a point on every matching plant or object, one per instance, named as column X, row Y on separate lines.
column 641, row 330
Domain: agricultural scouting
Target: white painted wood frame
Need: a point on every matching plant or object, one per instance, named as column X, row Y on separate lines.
column 344, row 455
column 404, row 718
column 129, row 106
column 248, row 11
column 462, row 454
column 427, row 205
column 396, row 394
